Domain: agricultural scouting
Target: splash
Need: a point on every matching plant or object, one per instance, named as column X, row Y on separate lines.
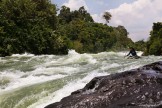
column 52, row 77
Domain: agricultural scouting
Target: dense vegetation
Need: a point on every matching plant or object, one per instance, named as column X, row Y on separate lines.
column 34, row 26
column 140, row 45
column 154, row 45
column 28, row 26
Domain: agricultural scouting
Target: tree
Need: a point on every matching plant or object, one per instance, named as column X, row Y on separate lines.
column 140, row 45
column 154, row 44
column 33, row 26
column 65, row 15
column 107, row 16
column 84, row 15
column 28, row 26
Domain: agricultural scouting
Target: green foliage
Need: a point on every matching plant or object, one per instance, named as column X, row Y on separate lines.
column 93, row 37
column 154, row 45
column 122, row 40
column 140, row 45
column 27, row 26
column 66, row 16
column 33, row 26
column 107, row 16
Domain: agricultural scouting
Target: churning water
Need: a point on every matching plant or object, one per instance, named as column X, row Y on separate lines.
column 28, row 81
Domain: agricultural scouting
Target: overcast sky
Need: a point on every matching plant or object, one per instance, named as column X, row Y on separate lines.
column 137, row 16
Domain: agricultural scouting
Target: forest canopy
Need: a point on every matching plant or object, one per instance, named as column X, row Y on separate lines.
column 37, row 27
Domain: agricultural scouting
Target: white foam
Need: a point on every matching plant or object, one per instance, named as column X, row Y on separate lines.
column 109, row 66
column 89, row 58
column 22, row 55
column 66, row 90
column 49, row 67
column 74, row 57
column 17, row 80
column 139, row 53
column 133, row 66
column 11, row 75
column 122, row 53
column 72, row 52
column 54, row 70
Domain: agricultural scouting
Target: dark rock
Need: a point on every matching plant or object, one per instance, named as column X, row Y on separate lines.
column 137, row 88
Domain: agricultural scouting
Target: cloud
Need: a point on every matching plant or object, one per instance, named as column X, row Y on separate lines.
column 140, row 35
column 76, row 4
column 100, row 2
column 98, row 18
column 137, row 17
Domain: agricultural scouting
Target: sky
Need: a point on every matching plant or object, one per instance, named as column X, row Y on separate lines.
column 137, row 16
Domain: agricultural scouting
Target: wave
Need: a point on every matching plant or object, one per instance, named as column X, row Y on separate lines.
column 72, row 71
column 22, row 55
column 66, row 90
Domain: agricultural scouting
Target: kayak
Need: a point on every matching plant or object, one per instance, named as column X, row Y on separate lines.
column 133, row 57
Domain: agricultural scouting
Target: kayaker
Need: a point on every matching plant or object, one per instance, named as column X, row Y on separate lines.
column 132, row 52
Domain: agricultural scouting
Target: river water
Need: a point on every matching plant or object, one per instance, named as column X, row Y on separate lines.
column 29, row 81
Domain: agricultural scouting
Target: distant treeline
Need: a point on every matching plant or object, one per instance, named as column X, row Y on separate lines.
column 34, row 26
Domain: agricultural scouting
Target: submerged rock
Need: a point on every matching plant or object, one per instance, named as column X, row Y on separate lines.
column 137, row 88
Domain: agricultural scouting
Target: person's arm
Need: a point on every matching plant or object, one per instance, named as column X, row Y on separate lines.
column 129, row 53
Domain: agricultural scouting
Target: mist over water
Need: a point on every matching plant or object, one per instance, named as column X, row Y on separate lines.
column 29, row 81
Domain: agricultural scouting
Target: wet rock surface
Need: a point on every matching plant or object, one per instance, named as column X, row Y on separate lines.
column 137, row 88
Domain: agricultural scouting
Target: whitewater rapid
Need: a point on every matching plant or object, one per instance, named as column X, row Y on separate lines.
column 29, row 81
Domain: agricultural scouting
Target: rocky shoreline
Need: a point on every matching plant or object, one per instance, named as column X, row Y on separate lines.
column 137, row 88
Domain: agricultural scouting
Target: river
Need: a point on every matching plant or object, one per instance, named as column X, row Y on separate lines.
column 29, row 81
